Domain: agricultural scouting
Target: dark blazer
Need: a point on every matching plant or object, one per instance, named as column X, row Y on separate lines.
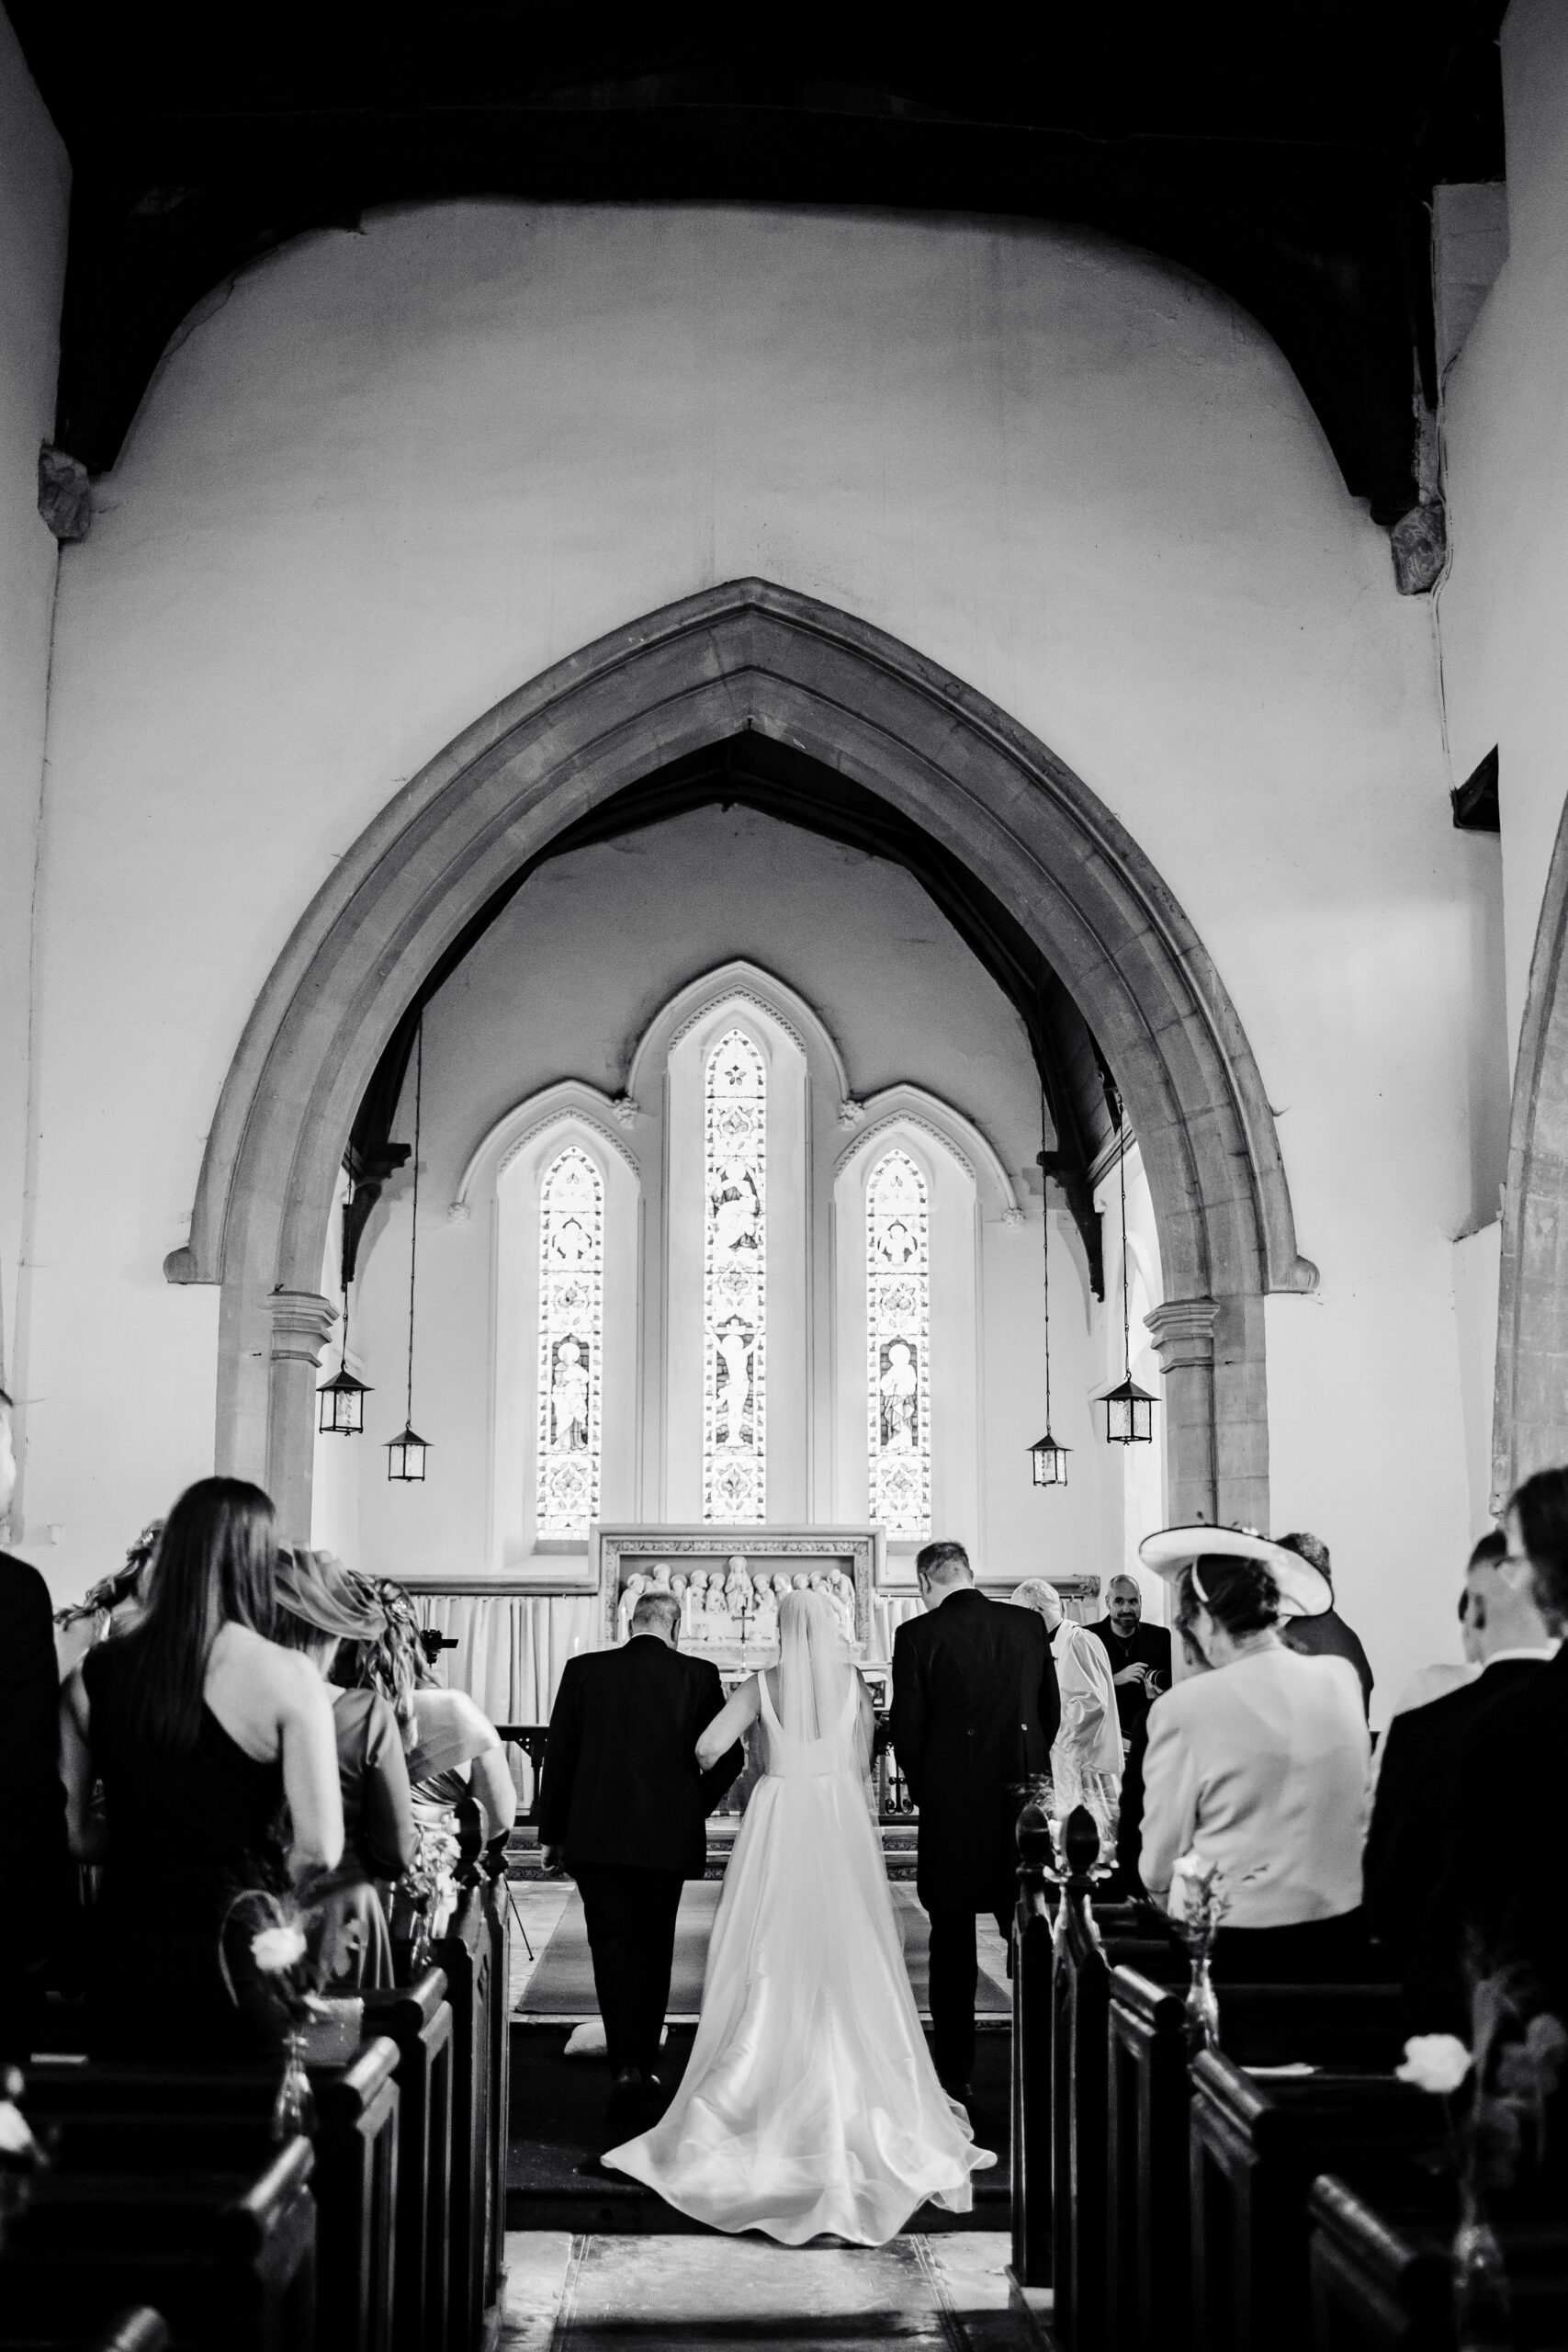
column 621, row 1783
column 974, row 1710
column 1329, row 1637
column 33, row 1855
column 1505, row 1878
column 1412, row 1814
column 1149, row 1646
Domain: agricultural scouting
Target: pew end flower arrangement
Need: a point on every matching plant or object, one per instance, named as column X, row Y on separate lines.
column 277, row 1941
column 1199, row 1901
column 1496, row 2096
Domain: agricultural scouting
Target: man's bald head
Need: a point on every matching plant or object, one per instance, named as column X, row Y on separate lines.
column 1123, row 1603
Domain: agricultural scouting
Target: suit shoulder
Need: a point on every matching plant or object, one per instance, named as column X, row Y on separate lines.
column 22, row 1586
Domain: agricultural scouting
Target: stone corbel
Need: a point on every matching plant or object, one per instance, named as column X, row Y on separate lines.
column 302, row 1323
column 1183, row 1333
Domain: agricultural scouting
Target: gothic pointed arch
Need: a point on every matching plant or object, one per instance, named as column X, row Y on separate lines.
column 750, row 656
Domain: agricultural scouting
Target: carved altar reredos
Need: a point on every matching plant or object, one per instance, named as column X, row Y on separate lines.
column 618, row 1552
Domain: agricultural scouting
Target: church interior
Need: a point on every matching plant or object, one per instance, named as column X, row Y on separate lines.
column 772, row 791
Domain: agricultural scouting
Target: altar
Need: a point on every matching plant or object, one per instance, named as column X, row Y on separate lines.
column 514, row 1637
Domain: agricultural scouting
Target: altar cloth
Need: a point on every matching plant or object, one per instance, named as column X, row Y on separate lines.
column 561, row 1986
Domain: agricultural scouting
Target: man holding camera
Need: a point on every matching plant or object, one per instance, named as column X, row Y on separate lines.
column 1140, row 1654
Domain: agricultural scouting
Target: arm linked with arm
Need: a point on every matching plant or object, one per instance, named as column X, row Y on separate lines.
column 388, row 1839
column 720, row 1720
column 86, row 1832
column 561, row 1758
column 907, row 1716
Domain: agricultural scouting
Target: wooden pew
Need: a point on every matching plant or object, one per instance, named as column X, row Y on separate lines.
column 498, row 1913
column 1382, row 2279
column 418, row 2018
column 1256, row 2145
column 1084, row 1956
column 467, row 1956
column 1060, row 1992
column 1147, row 2281
column 227, row 2259
column 167, row 2109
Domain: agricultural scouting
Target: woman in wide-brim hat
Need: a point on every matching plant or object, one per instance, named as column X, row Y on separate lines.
column 320, row 1607
column 1260, row 1765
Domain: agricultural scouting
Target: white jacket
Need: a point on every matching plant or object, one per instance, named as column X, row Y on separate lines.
column 1263, row 1766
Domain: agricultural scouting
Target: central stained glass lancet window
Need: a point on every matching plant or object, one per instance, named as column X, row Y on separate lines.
column 898, row 1314
column 571, row 1342
column 734, row 1108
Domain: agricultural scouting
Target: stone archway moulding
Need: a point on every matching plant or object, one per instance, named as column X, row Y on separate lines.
column 1530, row 1427
column 750, row 655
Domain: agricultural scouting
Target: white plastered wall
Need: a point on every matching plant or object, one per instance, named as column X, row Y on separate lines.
column 35, row 192
column 389, row 475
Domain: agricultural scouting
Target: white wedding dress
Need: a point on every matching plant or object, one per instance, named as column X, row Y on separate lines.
column 809, row 2103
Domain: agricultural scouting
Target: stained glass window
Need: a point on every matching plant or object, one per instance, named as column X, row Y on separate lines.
column 898, row 1313
column 734, row 1280
column 571, row 1328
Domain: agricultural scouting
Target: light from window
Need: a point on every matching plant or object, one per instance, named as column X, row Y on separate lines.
column 898, row 1312
column 734, row 1280
column 571, row 1329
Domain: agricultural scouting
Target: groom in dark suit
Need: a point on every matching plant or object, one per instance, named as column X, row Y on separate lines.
column 974, row 1710
column 623, row 1806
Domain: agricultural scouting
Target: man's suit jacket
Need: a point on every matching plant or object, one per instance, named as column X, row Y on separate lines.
column 1412, row 1818
column 1329, row 1637
column 975, row 1711
column 1147, row 1646
column 1506, row 1881
column 621, row 1783
column 32, row 1800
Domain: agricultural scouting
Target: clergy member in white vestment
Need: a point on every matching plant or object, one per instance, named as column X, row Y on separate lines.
column 1085, row 1755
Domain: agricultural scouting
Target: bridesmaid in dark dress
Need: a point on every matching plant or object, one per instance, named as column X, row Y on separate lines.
column 202, row 1731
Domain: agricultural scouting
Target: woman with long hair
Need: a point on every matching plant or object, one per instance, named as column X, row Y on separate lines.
column 1260, row 1765
column 809, row 2103
column 201, row 1731
column 452, row 1749
column 318, row 1610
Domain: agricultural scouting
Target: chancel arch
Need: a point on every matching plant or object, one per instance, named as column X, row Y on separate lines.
column 749, row 657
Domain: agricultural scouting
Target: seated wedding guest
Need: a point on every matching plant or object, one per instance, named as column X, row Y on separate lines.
column 318, row 1609
column 1260, row 1765
column 201, row 1729
column 1413, row 1816
column 1327, row 1634
column 1139, row 1653
column 32, row 1802
column 1503, row 1897
column 1085, row 1755
column 452, row 1749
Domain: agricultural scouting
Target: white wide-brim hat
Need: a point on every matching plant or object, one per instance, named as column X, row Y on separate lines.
column 1304, row 1591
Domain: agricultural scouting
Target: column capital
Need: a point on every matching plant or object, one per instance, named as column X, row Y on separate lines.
column 302, row 1323
column 1183, row 1331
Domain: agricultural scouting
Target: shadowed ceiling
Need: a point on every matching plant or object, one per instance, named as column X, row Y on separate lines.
column 1285, row 153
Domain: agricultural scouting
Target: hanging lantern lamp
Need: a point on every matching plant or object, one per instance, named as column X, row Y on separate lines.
column 342, row 1409
column 406, row 1451
column 1129, row 1409
column 1048, row 1460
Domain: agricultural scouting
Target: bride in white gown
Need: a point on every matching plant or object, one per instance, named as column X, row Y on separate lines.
column 809, row 2103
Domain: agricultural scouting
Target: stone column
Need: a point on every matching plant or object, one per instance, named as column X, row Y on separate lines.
column 1216, row 1408
column 302, row 1323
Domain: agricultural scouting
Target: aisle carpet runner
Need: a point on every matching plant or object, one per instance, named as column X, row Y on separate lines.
column 561, row 1986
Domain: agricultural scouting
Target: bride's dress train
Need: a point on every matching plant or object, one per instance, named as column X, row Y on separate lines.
column 809, row 2103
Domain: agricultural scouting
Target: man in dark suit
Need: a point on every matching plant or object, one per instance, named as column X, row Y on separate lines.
column 1139, row 1653
column 1327, row 1634
column 623, row 1806
column 975, row 1711
column 1412, row 1818
column 33, row 1863
column 1503, row 1899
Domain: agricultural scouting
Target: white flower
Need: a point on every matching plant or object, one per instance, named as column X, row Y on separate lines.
column 273, row 1949
column 16, row 2138
column 1434, row 2061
